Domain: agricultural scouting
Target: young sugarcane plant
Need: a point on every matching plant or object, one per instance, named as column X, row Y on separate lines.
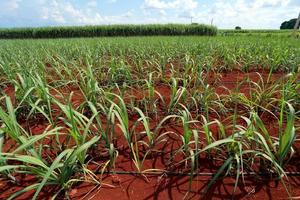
column 120, row 111
column 138, row 162
column 214, row 145
column 287, row 136
column 12, row 128
column 79, row 126
column 60, row 172
column 24, row 93
column 108, row 133
column 187, row 120
column 150, row 101
column 43, row 104
column 25, row 142
column 277, row 149
column 149, row 133
column 194, row 158
column 88, row 84
column 176, row 95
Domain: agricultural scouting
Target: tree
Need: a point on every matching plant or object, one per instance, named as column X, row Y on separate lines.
column 238, row 28
column 289, row 24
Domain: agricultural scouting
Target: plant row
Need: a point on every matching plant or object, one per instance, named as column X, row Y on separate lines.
column 63, row 153
column 99, row 100
column 108, row 30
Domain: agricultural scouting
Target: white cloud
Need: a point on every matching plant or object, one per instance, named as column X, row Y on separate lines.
column 9, row 6
column 162, row 13
column 175, row 4
column 270, row 3
column 92, row 3
column 225, row 14
column 128, row 14
column 13, row 4
column 248, row 14
column 64, row 12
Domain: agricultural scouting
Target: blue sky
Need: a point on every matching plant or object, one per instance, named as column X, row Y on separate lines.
column 224, row 14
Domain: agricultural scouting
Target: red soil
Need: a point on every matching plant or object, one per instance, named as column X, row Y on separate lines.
column 126, row 186
column 177, row 187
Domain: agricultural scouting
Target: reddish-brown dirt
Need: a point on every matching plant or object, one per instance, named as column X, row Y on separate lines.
column 177, row 187
column 128, row 186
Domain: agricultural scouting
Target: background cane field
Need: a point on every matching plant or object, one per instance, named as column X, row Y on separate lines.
column 149, row 117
